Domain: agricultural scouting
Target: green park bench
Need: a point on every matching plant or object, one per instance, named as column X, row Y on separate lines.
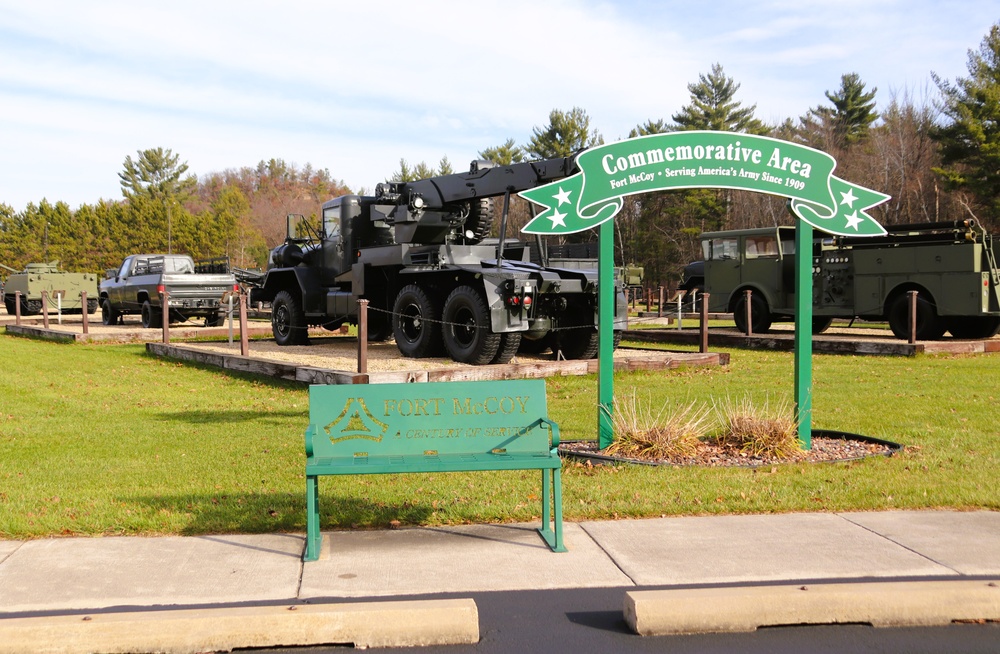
column 361, row 429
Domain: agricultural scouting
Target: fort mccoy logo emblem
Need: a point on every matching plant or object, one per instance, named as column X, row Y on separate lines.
column 355, row 421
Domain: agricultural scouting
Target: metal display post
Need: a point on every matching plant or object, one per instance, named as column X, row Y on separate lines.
column 605, row 321
column 803, row 331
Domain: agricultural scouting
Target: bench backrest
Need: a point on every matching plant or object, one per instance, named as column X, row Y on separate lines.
column 433, row 417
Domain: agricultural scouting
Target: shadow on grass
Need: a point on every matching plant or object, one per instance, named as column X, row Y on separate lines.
column 236, row 416
column 261, row 513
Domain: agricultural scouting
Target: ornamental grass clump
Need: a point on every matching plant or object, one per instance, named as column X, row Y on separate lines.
column 758, row 429
column 642, row 433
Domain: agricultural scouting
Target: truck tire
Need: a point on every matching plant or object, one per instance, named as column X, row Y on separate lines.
column 379, row 326
column 468, row 334
column 930, row 326
column 108, row 315
column 416, row 323
column 152, row 318
column 760, row 314
column 821, row 324
column 477, row 225
column 974, row 327
column 8, row 303
column 288, row 321
column 510, row 343
column 535, row 345
column 578, row 342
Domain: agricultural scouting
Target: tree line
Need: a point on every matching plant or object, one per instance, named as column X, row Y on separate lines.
column 937, row 157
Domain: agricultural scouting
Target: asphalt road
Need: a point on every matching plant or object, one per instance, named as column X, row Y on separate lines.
column 590, row 620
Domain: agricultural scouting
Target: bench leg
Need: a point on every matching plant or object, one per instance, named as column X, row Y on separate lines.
column 551, row 529
column 314, row 539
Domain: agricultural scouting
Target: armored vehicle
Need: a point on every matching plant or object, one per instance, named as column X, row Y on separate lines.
column 419, row 252
column 63, row 289
column 952, row 266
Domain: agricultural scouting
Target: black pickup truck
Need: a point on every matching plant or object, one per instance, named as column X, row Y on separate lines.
column 138, row 284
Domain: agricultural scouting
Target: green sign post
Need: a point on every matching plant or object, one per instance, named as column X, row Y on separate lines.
column 705, row 159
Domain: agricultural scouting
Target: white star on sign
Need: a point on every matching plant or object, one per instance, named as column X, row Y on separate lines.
column 562, row 196
column 558, row 219
column 853, row 221
column 848, row 198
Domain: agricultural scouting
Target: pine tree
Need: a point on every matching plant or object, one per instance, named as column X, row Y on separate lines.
column 970, row 143
column 566, row 134
column 503, row 155
column 713, row 106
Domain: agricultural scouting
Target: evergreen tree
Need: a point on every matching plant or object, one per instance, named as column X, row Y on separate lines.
column 566, row 134
column 503, row 155
column 970, row 143
column 444, row 166
column 713, row 106
column 846, row 123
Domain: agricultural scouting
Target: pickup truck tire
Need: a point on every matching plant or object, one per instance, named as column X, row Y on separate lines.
column 288, row 320
column 108, row 315
column 151, row 316
column 930, row 326
column 468, row 335
column 416, row 323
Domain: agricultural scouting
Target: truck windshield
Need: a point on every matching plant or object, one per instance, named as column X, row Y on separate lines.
column 720, row 248
column 760, row 247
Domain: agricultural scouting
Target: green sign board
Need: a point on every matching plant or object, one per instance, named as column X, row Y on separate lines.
column 699, row 159
column 705, row 159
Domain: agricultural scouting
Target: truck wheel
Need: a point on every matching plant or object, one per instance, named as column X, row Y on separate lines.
column 821, row 324
column 379, row 326
column 477, row 225
column 416, row 323
column 578, row 342
column 759, row 313
column 8, row 303
column 91, row 305
column 108, row 315
column 535, row 345
column 930, row 326
column 288, row 321
column 974, row 327
column 151, row 317
column 468, row 335
column 510, row 342
column 215, row 319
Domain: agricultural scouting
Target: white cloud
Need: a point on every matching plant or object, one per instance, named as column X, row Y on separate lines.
column 353, row 87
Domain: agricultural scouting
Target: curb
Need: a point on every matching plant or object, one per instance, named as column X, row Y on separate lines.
column 742, row 609
column 188, row 631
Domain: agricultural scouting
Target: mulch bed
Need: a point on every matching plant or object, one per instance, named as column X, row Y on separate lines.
column 827, row 446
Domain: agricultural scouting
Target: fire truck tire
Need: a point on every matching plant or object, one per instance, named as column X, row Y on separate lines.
column 468, row 335
column 760, row 314
column 930, row 325
column 974, row 327
column 416, row 323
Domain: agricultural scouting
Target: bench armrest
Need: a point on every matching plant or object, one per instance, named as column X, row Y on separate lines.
column 553, row 429
column 310, row 434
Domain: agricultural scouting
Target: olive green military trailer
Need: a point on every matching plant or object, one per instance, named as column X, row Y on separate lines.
column 952, row 266
column 62, row 289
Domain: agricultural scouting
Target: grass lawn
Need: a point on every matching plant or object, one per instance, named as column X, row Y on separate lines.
column 104, row 439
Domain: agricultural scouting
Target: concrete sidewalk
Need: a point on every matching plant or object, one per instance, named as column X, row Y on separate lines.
column 108, row 575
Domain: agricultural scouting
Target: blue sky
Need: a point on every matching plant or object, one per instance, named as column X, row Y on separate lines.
column 354, row 87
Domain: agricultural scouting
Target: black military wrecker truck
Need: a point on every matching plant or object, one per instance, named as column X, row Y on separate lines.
column 418, row 252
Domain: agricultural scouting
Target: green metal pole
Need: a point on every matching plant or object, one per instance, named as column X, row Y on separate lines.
column 803, row 330
column 606, row 319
